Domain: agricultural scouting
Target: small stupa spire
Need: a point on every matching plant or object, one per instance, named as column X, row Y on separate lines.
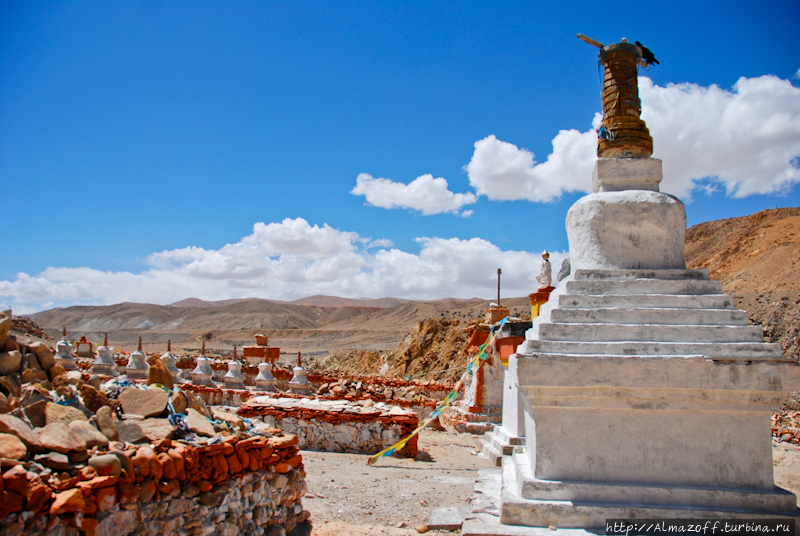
column 139, row 348
column 105, row 341
column 169, row 345
column 203, row 349
column 299, row 360
column 64, row 332
column 234, row 352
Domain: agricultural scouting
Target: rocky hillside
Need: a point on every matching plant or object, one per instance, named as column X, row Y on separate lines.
column 432, row 351
column 757, row 260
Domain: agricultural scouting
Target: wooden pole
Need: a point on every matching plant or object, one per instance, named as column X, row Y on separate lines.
column 590, row 41
column 499, row 271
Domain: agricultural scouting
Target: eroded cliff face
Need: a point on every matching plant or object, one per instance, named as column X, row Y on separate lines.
column 757, row 260
column 432, row 351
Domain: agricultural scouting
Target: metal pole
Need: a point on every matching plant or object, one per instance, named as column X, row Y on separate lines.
column 499, row 271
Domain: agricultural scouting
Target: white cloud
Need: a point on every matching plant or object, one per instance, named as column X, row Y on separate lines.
column 747, row 140
column 502, row 171
column 288, row 260
column 425, row 194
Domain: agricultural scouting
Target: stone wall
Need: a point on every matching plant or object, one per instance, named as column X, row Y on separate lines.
column 336, row 426
column 239, row 483
column 396, row 390
column 250, row 504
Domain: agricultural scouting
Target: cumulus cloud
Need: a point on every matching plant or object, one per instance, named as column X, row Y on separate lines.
column 747, row 140
column 502, row 171
column 286, row 261
column 425, row 194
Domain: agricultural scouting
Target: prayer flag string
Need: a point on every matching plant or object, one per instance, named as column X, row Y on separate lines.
column 448, row 400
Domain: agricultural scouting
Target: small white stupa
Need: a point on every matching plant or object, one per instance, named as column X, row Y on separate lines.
column 234, row 379
column 201, row 375
column 299, row 383
column 265, row 381
column 64, row 355
column 104, row 362
column 137, row 368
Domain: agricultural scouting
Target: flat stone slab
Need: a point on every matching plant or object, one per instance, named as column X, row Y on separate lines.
column 89, row 434
column 131, row 432
column 60, row 438
column 16, row 426
column 56, row 413
column 448, row 518
column 486, row 493
column 198, row 423
column 157, row 429
column 144, row 402
column 11, row 447
column 53, row 460
column 489, row 525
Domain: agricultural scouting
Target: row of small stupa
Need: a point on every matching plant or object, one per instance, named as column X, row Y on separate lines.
column 138, row 368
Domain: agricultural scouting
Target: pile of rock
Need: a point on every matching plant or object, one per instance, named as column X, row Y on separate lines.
column 20, row 363
column 117, row 483
column 354, row 390
column 786, row 425
column 26, row 326
column 117, row 458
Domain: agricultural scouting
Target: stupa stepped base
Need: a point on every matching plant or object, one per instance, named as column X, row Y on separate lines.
column 656, row 406
column 584, row 505
column 668, row 313
column 496, row 489
column 520, row 485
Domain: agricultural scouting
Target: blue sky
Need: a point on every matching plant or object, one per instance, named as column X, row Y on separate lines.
column 140, row 143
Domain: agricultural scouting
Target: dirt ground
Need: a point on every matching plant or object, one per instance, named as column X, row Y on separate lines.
column 394, row 496
column 347, row 497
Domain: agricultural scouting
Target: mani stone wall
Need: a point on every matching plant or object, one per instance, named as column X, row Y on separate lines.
column 336, row 425
column 250, row 487
column 337, row 385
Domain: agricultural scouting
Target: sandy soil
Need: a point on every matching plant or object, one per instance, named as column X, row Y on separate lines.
column 786, row 467
column 347, row 497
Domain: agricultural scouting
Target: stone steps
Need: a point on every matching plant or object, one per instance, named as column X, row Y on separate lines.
column 663, row 301
column 651, row 315
column 488, row 451
column 732, row 351
column 668, row 313
column 648, row 333
column 497, row 443
column 630, row 275
column 644, row 286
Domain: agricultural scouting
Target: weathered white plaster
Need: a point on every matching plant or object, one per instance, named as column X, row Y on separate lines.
column 631, row 229
column 234, row 379
column 104, row 362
